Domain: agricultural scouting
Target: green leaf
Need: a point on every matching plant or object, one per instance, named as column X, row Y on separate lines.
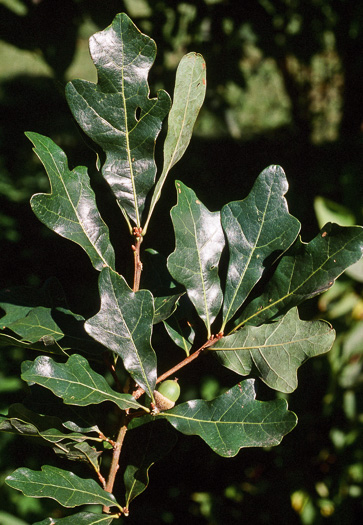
column 52, row 326
column 79, row 419
column 165, row 307
column 81, row 518
column 276, row 350
column 306, row 270
column 84, row 452
column 10, row 519
column 7, row 341
column 258, row 229
column 234, row 420
column 21, row 420
column 38, row 324
column 70, row 209
column 75, row 382
column 118, row 114
column 65, row 487
column 124, row 325
column 156, row 278
column 147, row 444
column 49, row 431
column 20, row 300
column 189, row 93
column 330, row 211
column 180, row 332
column 199, row 243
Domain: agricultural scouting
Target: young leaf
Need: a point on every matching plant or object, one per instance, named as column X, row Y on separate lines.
column 234, row 420
column 118, row 114
column 199, row 243
column 124, row 325
column 150, row 443
column 165, row 307
column 189, row 93
column 63, row 486
column 257, row 229
column 75, row 451
column 81, row 518
column 70, row 209
column 276, row 350
column 181, row 333
column 75, row 382
column 306, row 270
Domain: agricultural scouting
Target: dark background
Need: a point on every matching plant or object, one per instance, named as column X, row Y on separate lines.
column 284, row 86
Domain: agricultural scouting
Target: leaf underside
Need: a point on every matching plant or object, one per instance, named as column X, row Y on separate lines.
column 46, row 429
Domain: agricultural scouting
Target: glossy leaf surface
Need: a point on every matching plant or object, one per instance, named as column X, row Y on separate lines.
column 124, row 325
column 81, row 518
column 199, row 243
column 70, row 209
column 234, row 420
column 75, row 382
column 118, row 114
column 63, row 486
column 189, row 93
column 306, row 270
column 275, row 350
column 258, row 229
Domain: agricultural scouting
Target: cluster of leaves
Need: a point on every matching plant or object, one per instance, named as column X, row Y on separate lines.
column 245, row 311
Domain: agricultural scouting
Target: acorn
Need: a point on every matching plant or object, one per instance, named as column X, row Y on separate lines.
column 165, row 396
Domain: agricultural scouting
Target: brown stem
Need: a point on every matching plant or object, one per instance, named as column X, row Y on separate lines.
column 211, row 341
column 116, row 458
column 137, row 261
column 137, row 232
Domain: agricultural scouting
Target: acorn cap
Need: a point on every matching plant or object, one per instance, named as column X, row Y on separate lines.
column 161, row 402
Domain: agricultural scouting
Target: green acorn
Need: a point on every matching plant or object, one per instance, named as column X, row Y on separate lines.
column 165, row 396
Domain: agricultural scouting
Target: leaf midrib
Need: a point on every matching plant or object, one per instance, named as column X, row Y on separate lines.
column 295, row 289
column 252, row 251
column 80, row 222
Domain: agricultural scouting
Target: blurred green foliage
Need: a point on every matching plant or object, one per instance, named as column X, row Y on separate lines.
column 284, row 86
